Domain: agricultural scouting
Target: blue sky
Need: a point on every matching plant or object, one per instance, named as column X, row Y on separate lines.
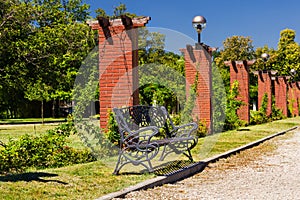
column 262, row 20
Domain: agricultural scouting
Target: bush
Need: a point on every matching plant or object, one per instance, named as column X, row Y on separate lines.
column 112, row 133
column 48, row 150
column 276, row 112
column 202, row 129
column 260, row 116
column 232, row 120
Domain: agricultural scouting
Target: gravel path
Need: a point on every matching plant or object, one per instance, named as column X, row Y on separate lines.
column 274, row 175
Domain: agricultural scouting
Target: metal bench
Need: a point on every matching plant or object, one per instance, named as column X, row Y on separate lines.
column 140, row 127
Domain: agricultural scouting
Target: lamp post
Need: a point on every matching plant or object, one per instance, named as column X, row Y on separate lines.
column 199, row 23
column 293, row 72
column 265, row 57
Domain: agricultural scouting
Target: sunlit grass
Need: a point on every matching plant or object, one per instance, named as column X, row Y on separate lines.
column 85, row 181
column 92, row 180
column 30, row 120
column 14, row 132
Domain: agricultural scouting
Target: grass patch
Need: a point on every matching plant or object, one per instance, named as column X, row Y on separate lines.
column 31, row 120
column 95, row 179
column 222, row 142
column 14, row 132
column 87, row 181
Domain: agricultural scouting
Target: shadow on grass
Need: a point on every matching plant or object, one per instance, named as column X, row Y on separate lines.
column 243, row 129
column 30, row 176
column 164, row 169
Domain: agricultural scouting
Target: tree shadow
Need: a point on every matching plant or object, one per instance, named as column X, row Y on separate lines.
column 30, row 176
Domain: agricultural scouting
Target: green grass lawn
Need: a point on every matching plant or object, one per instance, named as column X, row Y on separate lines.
column 13, row 132
column 92, row 180
column 30, row 120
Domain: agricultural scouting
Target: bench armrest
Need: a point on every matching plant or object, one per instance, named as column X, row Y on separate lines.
column 142, row 136
column 184, row 130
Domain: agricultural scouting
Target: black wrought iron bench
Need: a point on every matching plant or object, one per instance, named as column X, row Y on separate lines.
column 140, row 127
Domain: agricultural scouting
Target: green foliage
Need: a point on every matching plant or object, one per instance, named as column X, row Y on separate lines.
column 218, row 99
column 44, row 43
column 285, row 58
column 119, row 10
column 112, row 133
column 235, row 48
column 261, row 64
column 291, row 107
column 87, row 83
column 276, row 112
column 202, row 129
column 95, row 139
column 260, row 116
column 161, row 84
column 161, row 73
column 288, row 54
column 176, row 118
column 189, row 105
column 232, row 120
column 47, row 150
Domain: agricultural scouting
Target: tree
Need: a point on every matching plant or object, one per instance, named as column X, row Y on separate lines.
column 43, row 41
column 287, row 54
column 119, row 10
column 40, row 92
column 161, row 72
column 261, row 64
column 15, row 26
column 234, row 48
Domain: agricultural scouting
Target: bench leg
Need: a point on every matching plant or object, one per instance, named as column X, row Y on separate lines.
column 117, row 169
column 163, row 154
column 189, row 155
column 123, row 160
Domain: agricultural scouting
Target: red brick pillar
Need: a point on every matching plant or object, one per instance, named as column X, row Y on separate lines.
column 293, row 98
column 198, row 59
column 239, row 71
column 265, row 87
column 118, row 60
column 280, row 89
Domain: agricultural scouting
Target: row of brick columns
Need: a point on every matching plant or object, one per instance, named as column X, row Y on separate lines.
column 239, row 71
column 119, row 83
column 285, row 92
column 118, row 60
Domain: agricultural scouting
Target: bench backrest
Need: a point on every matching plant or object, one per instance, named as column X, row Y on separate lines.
column 134, row 117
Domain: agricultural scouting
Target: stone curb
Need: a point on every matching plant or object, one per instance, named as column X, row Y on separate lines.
column 187, row 171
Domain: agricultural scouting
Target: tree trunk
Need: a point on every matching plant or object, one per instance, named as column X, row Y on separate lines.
column 42, row 111
column 53, row 108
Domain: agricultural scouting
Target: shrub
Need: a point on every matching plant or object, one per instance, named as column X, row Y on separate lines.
column 276, row 112
column 291, row 107
column 232, row 120
column 260, row 116
column 112, row 133
column 202, row 129
column 176, row 119
column 47, row 150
